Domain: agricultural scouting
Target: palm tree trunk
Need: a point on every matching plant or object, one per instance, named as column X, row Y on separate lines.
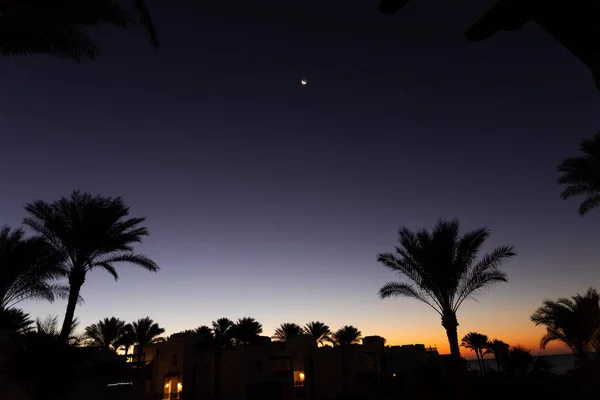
column 217, row 374
column 497, row 363
column 479, row 362
column 74, row 289
column 450, row 323
column 344, row 372
column 483, row 371
column 582, row 355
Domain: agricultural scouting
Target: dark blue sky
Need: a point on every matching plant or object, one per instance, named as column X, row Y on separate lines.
column 271, row 200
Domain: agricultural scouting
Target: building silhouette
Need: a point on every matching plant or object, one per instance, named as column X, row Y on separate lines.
column 183, row 368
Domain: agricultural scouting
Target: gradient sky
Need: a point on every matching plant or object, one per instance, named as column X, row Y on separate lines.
column 270, row 200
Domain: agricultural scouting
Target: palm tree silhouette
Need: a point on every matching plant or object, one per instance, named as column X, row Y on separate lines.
column 205, row 332
column 286, row 331
column 28, row 269
column 106, row 333
column 58, row 27
column 344, row 337
column 48, row 330
column 581, row 175
column 518, row 361
column 88, row 232
column 246, row 331
column 574, row 322
column 15, row 320
column 145, row 332
column 319, row 330
column 222, row 331
column 443, row 271
column 500, row 351
column 127, row 339
column 476, row 342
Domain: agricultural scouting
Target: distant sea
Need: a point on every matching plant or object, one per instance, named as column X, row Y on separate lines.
column 561, row 362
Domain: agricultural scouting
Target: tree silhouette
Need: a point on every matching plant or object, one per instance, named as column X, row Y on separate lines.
column 443, row 271
column 58, row 27
column 205, row 332
column 518, row 361
column 28, row 268
column 581, row 175
column 555, row 17
column 286, row 331
column 500, row 351
column 127, row 339
column 88, row 232
column 344, row 337
column 48, row 330
column 145, row 332
column 246, row 331
column 106, row 333
column 15, row 320
column 574, row 322
column 318, row 330
column 476, row 342
column 222, row 330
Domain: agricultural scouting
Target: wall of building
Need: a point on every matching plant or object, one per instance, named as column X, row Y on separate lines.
column 297, row 369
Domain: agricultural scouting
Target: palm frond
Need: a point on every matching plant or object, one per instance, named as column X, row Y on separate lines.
column 399, row 289
column 581, row 175
column 15, row 320
column 136, row 259
column 58, row 28
column 318, row 330
column 346, row 335
column 146, row 22
column 286, row 331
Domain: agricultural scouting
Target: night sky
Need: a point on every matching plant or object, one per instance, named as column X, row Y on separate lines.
column 271, row 200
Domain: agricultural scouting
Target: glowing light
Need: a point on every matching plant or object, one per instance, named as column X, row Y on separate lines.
column 303, row 82
column 120, row 384
column 301, row 376
column 179, row 386
column 167, row 385
column 394, row 375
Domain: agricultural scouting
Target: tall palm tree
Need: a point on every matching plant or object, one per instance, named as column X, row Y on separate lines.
column 344, row 337
column 581, row 175
column 146, row 332
column 476, row 342
column 286, row 331
column 222, row 330
column 246, row 331
column 88, row 232
column 106, row 333
column 574, row 322
column 28, row 269
column 319, row 330
column 443, row 270
column 58, row 27
column 500, row 351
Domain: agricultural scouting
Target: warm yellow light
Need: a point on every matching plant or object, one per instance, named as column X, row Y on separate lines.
column 394, row 375
column 301, row 376
column 166, row 385
column 179, row 385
